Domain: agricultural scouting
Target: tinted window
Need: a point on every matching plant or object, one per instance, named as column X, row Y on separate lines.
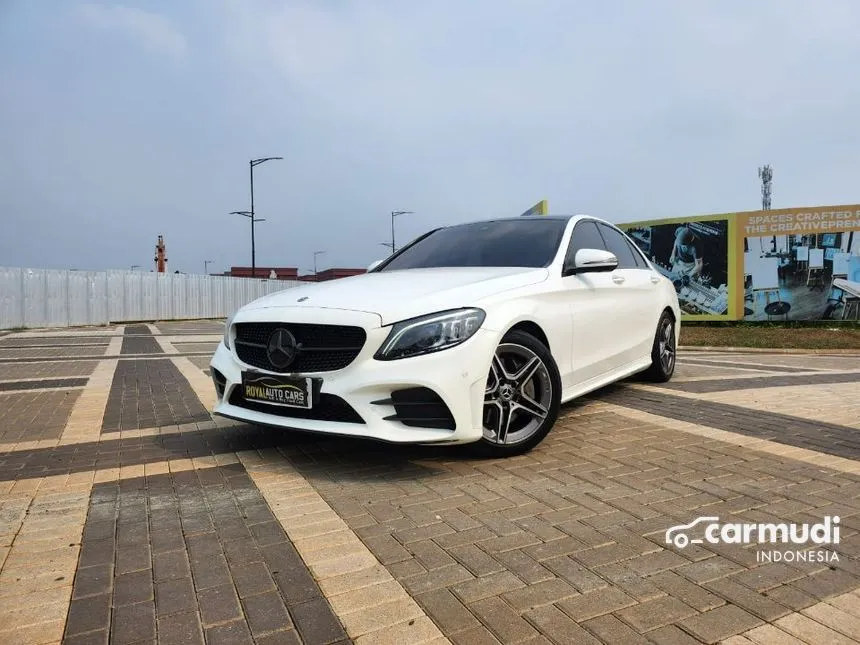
column 530, row 242
column 616, row 244
column 585, row 236
column 637, row 256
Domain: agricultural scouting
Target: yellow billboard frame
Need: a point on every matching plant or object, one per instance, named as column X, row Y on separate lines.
column 541, row 208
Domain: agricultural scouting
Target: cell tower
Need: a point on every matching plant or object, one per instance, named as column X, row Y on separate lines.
column 765, row 173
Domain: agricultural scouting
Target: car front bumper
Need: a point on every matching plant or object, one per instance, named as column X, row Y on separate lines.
column 457, row 375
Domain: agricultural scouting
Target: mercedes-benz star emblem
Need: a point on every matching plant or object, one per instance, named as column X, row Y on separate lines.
column 281, row 348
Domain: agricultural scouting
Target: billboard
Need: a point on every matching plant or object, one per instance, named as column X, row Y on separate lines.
column 541, row 208
column 784, row 264
column 792, row 260
column 696, row 254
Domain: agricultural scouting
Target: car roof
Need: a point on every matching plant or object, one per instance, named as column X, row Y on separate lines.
column 542, row 218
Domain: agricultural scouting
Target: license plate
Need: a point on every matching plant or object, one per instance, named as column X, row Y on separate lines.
column 291, row 392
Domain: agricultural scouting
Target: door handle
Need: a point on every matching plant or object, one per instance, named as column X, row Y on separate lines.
column 618, row 279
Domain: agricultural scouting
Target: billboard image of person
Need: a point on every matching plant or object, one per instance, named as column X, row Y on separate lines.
column 694, row 255
column 686, row 257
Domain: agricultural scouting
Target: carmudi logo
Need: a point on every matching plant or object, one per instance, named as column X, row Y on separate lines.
column 813, row 536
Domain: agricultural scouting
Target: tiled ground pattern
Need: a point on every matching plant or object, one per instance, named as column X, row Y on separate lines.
column 728, row 384
column 568, row 541
column 55, row 341
column 15, row 371
column 147, row 393
column 32, row 416
column 41, row 384
column 50, row 352
column 828, row 438
column 191, row 556
column 564, row 545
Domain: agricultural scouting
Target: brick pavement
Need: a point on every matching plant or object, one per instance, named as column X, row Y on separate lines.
column 127, row 513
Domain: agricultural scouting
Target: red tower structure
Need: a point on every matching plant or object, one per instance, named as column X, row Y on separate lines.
column 160, row 259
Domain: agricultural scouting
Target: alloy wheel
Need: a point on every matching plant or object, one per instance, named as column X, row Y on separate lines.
column 667, row 346
column 518, row 395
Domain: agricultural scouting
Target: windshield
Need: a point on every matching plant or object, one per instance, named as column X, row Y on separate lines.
column 529, row 242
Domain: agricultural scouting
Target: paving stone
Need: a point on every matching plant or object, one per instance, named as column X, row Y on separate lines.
column 234, row 633
column 88, row 614
column 316, row 623
column 266, row 613
column 175, row 596
column 446, row 610
column 539, row 594
column 219, row 604
column 180, row 629
column 133, row 623
column 132, row 588
column 611, row 630
column 252, row 579
column 752, row 601
column 556, row 626
column 475, row 636
column 720, row 623
column 696, row 596
column 524, row 567
column 493, row 584
column 672, row 635
column 811, row 631
column 595, row 603
column 436, row 579
column 93, row 581
column 505, row 623
column 655, row 613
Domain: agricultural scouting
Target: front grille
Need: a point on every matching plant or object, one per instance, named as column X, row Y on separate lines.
column 327, row 407
column 321, row 348
column 419, row 407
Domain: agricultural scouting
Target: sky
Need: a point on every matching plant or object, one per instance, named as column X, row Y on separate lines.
column 120, row 122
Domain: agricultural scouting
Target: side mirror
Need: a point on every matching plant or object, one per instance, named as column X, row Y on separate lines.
column 592, row 261
column 373, row 265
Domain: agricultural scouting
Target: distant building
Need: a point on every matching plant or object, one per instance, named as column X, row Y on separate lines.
column 292, row 273
column 269, row 273
column 332, row 274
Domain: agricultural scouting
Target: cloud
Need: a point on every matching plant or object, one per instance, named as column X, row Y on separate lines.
column 152, row 30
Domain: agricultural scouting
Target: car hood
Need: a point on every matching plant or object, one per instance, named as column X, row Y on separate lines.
column 398, row 295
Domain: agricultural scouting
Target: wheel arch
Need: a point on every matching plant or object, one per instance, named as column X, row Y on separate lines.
column 531, row 328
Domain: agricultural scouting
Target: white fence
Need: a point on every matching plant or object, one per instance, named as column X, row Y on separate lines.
column 61, row 298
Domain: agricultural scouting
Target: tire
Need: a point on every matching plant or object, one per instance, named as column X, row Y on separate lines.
column 524, row 388
column 663, row 351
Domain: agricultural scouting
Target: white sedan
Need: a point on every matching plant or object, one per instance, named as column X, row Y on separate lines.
column 474, row 333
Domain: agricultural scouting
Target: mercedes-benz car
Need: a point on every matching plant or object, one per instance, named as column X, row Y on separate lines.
column 473, row 333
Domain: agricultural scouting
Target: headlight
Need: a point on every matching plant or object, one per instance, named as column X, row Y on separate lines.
column 431, row 333
column 227, row 330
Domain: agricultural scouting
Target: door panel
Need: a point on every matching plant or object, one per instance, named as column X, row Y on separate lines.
column 591, row 297
column 635, row 294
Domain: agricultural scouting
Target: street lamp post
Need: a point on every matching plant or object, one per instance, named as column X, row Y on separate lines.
column 393, row 215
column 252, row 164
column 316, row 253
column 253, row 219
column 206, row 264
